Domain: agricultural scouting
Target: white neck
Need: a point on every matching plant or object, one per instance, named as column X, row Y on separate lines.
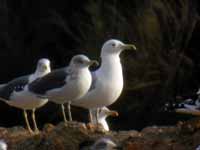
column 111, row 65
column 41, row 73
column 38, row 74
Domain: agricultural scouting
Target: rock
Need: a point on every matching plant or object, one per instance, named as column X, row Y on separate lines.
column 73, row 135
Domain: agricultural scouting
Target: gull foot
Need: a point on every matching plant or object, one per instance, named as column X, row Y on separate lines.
column 91, row 126
column 95, row 128
column 75, row 124
column 36, row 131
column 30, row 131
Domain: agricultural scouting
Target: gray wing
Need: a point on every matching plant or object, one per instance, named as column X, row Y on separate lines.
column 94, row 81
column 54, row 79
column 17, row 84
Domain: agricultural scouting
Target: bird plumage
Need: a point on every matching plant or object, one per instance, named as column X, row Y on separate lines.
column 55, row 79
column 15, row 93
column 108, row 79
column 65, row 84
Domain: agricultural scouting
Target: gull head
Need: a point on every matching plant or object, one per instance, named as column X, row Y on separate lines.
column 81, row 61
column 105, row 112
column 3, row 145
column 112, row 47
column 198, row 92
column 43, row 65
column 104, row 144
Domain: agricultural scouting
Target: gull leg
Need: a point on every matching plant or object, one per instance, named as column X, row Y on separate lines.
column 91, row 124
column 27, row 122
column 97, row 118
column 69, row 110
column 34, row 122
column 63, row 112
column 97, row 115
column 91, row 116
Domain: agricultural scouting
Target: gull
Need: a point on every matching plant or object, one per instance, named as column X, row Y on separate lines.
column 188, row 106
column 103, row 143
column 104, row 112
column 66, row 84
column 107, row 81
column 16, row 94
column 198, row 147
column 3, row 145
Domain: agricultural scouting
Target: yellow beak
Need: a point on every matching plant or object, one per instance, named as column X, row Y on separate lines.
column 113, row 113
column 129, row 47
column 93, row 62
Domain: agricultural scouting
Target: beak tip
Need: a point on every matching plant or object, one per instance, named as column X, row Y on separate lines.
column 95, row 62
column 115, row 114
column 130, row 47
column 134, row 47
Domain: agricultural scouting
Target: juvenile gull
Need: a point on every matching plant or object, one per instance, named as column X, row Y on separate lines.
column 107, row 81
column 15, row 92
column 104, row 112
column 65, row 84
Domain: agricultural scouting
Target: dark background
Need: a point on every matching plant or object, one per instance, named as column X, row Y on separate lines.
column 165, row 69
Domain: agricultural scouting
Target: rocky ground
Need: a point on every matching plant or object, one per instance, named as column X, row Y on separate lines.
column 183, row 136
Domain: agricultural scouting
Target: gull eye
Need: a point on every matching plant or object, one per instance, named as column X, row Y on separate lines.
column 113, row 44
column 80, row 61
column 100, row 110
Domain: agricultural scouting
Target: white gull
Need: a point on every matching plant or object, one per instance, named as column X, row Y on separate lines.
column 107, row 81
column 16, row 94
